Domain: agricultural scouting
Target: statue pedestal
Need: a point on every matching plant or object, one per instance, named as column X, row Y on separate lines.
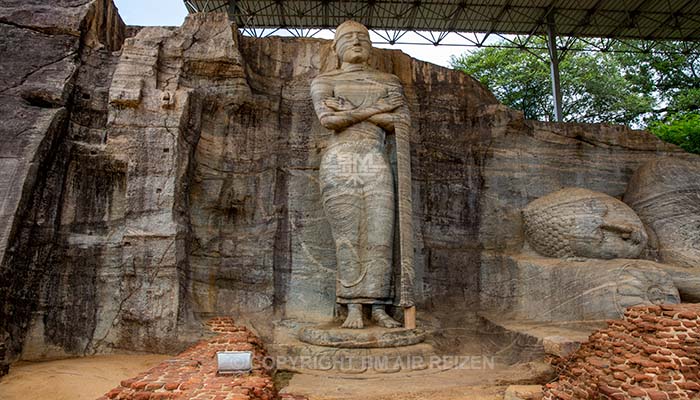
column 331, row 335
column 330, row 350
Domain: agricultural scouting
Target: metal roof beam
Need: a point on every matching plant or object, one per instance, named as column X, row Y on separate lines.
column 672, row 16
column 498, row 19
column 587, row 18
column 632, row 16
column 600, row 18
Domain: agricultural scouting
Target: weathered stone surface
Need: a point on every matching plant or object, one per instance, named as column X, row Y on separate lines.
column 4, row 362
column 373, row 337
column 524, row 392
column 666, row 195
column 178, row 179
column 519, row 340
column 576, row 222
column 686, row 280
column 97, row 23
column 49, row 50
column 546, row 289
column 560, row 346
column 295, row 355
column 158, row 113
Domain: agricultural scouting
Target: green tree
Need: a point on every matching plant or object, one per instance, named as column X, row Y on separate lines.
column 616, row 86
column 647, row 85
column 680, row 129
column 670, row 73
column 517, row 78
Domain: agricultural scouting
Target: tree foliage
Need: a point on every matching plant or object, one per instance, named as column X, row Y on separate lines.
column 617, row 86
column 680, row 129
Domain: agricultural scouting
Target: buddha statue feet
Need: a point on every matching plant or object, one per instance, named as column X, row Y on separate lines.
column 354, row 318
column 381, row 318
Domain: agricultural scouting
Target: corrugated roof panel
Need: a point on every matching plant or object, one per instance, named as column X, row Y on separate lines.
column 531, row 16
column 532, row 3
column 486, row 12
column 569, row 20
column 522, row 16
column 483, row 26
column 659, row 7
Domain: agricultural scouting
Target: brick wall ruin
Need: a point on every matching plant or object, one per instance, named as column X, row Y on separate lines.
column 653, row 353
column 193, row 373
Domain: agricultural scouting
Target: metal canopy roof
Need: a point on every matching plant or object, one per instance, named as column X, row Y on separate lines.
column 639, row 25
column 617, row 19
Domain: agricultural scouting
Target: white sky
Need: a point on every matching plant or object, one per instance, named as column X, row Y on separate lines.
column 173, row 12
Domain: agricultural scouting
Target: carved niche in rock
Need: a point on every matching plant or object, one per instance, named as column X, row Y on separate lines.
column 575, row 222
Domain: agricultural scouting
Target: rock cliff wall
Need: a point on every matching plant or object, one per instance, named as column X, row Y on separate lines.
column 55, row 75
column 153, row 184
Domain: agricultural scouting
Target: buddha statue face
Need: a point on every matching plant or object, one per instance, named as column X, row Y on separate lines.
column 352, row 43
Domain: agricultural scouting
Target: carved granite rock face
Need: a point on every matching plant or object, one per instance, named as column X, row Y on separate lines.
column 576, row 222
column 666, row 195
column 54, row 66
column 148, row 188
column 550, row 289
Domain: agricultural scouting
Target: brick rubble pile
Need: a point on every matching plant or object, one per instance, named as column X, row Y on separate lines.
column 193, row 373
column 653, row 353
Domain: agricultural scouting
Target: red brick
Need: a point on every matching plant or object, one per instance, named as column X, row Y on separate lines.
column 161, row 396
column 620, row 376
column 127, row 383
column 608, row 390
column 659, row 358
column 667, row 387
column 642, row 377
column 562, row 395
column 689, row 385
column 154, row 386
column 656, row 395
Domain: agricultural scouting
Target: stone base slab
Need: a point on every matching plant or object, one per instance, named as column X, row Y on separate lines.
column 292, row 354
column 331, row 335
column 529, row 340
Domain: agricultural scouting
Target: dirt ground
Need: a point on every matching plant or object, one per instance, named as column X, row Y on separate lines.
column 73, row 379
column 456, row 384
column 91, row 377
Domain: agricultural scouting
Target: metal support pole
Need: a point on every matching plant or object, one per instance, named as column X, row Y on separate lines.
column 554, row 66
column 233, row 10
